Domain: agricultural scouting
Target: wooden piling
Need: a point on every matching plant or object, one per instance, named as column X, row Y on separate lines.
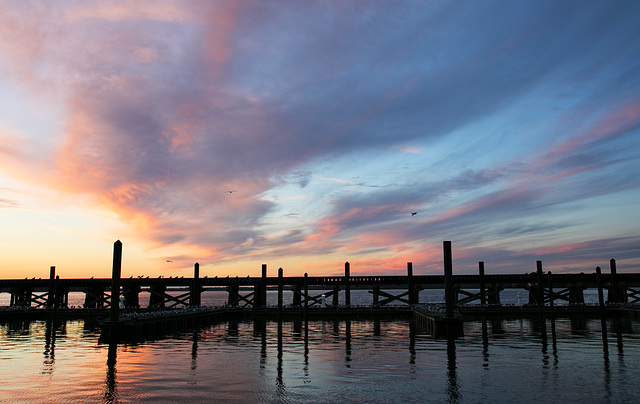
column 603, row 320
column 280, row 283
column 115, row 280
column 540, row 291
column 195, row 297
column 347, row 284
column 483, row 296
column 413, row 295
column 448, row 279
column 264, row 285
column 306, row 296
column 52, row 295
column 551, row 305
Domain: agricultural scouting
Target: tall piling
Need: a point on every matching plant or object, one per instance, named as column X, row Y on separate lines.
column 483, row 295
column 195, row 297
column 115, row 280
column 540, row 277
column 448, row 279
column 264, row 285
column 347, row 284
column 51, row 298
column 280, row 283
column 413, row 298
column 614, row 288
column 551, row 306
column 306, row 296
column 603, row 320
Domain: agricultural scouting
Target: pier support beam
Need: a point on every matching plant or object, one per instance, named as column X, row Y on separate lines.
column 617, row 293
column 131, row 296
column 483, row 294
column 195, row 289
column 115, row 281
column 234, row 292
column 347, row 284
column 280, row 296
column 336, row 295
column 94, row 297
column 52, row 285
column 414, row 292
column 449, row 292
column 576, row 293
column 297, row 295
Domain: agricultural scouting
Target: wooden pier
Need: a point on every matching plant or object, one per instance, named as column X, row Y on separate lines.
column 479, row 294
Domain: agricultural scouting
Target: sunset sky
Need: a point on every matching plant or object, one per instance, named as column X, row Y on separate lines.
column 303, row 134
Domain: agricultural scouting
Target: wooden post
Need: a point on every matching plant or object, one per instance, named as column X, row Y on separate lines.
column 297, row 295
column 264, row 285
column 115, row 280
column 52, row 293
column 616, row 293
column 234, row 291
column 195, row 297
column 483, row 296
column 131, row 295
column 540, row 294
column 336, row 295
column 603, row 320
column 551, row 305
column 306, row 295
column 412, row 290
column 376, row 294
column 280, row 295
column 347, row 284
column 448, row 279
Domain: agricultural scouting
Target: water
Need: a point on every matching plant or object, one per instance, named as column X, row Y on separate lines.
column 330, row 361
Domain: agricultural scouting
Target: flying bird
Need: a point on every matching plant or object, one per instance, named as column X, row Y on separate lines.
column 169, row 261
column 230, row 192
column 414, row 213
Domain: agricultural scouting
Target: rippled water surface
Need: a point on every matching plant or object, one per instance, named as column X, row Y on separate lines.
column 327, row 361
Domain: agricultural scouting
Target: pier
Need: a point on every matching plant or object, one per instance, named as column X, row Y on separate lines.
column 464, row 295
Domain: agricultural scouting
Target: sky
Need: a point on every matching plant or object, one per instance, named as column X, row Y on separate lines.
column 304, row 134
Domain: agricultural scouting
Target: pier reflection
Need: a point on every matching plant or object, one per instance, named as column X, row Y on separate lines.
column 111, row 392
column 49, row 347
column 453, row 389
column 290, row 352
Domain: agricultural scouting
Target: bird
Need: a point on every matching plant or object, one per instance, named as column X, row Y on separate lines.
column 414, row 213
column 169, row 261
column 230, row 192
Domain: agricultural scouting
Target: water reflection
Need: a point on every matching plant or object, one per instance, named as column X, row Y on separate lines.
column 453, row 389
column 49, row 348
column 110, row 393
column 262, row 361
column 485, row 343
column 347, row 332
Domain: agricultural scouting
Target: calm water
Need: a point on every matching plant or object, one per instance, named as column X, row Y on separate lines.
column 327, row 362
column 343, row 361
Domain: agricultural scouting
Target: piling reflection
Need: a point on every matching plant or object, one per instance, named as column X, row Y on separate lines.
column 111, row 392
column 485, row 343
column 412, row 343
column 194, row 348
column 49, row 347
column 453, row 388
column 280, row 385
column 347, row 332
